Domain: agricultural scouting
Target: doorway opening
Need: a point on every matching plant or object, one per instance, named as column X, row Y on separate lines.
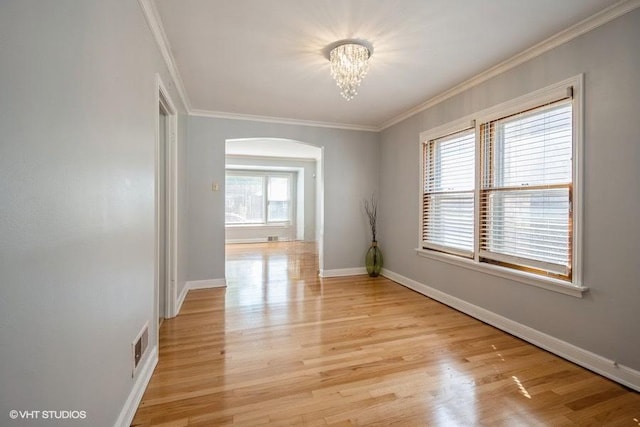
column 274, row 192
column 165, row 196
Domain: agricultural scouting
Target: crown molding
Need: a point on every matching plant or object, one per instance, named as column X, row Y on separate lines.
column 582, row 27
column 280, row 120
column 155, row 25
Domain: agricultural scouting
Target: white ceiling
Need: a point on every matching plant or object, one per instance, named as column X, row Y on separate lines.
column 265, row 58
column 271, row 147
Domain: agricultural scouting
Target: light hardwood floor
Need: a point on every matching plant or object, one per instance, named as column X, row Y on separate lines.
column 280, row 346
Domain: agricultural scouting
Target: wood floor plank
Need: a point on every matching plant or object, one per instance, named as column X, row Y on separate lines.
column 280, row 346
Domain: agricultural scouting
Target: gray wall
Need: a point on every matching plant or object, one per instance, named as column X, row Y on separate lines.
column 605, row 321
column 77, row 157
column 305, row 173
column 351, row 160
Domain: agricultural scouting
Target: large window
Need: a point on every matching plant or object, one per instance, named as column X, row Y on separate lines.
column 258, row 198
column 525, row 196
column 500, row 186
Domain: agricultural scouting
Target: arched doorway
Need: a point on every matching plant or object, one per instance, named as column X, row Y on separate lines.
column 279, row 191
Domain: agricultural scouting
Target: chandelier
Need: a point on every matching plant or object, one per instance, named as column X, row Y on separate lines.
column 349, row 64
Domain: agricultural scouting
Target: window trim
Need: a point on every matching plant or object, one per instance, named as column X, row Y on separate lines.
column 531, row 100
column 520, row 276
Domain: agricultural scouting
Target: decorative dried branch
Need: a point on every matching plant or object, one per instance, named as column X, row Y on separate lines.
column 371, row 208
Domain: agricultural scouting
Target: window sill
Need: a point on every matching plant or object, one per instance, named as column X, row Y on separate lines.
column 548, row 283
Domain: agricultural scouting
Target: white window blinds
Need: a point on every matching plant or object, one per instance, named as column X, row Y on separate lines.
column 526, row 189
column 448, row 193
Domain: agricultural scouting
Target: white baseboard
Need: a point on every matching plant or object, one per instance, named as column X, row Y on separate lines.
column 198, row 284
column 594, row 362
column 181, row 297
column 139, row 387
column 206, row 284
column 343, row 272
column 259, row 240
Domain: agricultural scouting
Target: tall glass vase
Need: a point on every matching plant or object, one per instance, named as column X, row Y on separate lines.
column 373, row 260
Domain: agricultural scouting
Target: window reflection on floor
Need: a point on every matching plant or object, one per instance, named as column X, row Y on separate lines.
column 269, row 273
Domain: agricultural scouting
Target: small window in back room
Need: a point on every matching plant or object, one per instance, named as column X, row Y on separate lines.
column 257, row 198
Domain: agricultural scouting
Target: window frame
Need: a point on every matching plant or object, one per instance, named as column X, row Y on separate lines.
column 486, row 190
column 266, row 175
column 426, row 145
column 571, row 286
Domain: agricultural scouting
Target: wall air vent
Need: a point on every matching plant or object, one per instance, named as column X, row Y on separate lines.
column 139, row 347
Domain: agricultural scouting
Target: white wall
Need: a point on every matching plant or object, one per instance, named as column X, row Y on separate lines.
column 605, row 320
column 351, row 161
column 78, row 116
column 182, row 207
column 305, row 171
